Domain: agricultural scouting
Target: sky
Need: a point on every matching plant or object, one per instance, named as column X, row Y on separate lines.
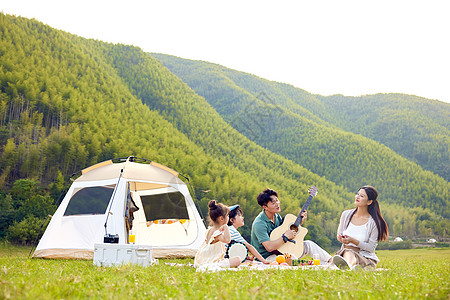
column 349, row 47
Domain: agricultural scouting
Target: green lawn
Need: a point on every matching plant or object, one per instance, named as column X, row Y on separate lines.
column 416, row 273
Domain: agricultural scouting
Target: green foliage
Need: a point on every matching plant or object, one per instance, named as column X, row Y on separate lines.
column 38, row 206
column 317, row 234
column 70, row 109
column 57, row 188
column 7, row 217
column 26, row 231
column 6, row 202
column 22, row 190
column 22, row 209
column 395, row 245
column 417, row 128
column 164, row 92
column 303, row 128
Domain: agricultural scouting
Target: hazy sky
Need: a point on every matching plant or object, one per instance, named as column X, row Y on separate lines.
column 323, row 46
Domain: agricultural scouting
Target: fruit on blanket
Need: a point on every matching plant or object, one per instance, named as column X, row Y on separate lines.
column 274, row 263
column 280, row 259
column 284, row 264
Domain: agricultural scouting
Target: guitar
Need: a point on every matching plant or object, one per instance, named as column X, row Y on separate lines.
column 294, row 246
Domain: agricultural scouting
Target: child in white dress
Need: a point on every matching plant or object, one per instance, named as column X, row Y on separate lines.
column 211, row 253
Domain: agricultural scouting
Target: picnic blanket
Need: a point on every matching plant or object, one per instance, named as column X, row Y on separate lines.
column 259, row 266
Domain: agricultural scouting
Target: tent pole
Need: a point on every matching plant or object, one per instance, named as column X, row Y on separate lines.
column 114, row 193
column 112, row 199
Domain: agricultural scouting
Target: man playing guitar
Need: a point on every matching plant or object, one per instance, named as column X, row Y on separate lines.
column 268, row 220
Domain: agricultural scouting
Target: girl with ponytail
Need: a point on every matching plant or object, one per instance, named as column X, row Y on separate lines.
column 211, row 255
column 359, row 231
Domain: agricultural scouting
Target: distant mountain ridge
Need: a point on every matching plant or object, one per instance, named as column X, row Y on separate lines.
column 414, row 127
column 292, row 130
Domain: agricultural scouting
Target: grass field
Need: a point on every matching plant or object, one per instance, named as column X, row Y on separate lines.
column 410, row 274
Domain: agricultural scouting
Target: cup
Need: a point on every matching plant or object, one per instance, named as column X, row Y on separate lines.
column 316, row 259
column 132, row 238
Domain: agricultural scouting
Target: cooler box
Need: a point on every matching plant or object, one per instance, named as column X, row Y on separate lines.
column 107, row 255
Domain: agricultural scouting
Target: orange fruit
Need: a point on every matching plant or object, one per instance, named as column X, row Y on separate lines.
column 280, row 259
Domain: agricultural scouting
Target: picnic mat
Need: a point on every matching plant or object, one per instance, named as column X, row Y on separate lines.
column 259, row 266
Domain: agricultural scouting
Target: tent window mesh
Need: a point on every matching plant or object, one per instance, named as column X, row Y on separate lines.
column 90, row 201
column 165, row 206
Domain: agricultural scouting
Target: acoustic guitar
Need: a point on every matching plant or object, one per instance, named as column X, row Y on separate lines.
column 294, row 246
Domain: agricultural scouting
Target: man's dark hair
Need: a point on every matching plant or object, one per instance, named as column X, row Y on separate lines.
column 264, row 197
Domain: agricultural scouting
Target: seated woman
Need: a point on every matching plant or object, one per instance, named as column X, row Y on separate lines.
column 359, row 230
column 237, row 220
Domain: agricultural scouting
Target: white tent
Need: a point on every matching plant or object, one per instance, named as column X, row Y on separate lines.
column 98, row 203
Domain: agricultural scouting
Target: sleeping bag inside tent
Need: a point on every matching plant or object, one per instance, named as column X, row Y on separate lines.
column 122, row 196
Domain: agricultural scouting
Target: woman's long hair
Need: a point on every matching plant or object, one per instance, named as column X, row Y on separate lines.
column 375, row 212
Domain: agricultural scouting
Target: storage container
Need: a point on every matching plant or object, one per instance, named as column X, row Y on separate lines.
column 119, row 254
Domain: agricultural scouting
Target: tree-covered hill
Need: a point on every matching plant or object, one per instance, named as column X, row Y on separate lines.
column 414, row 127
column 144, row 83
column 165, row 92
column 67, row 102
column 65, row 107
column 285, row 122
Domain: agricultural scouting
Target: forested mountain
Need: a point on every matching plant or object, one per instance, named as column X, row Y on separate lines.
column 64, row 107
column 272, row 115
column 67, row 102
column 414, row 127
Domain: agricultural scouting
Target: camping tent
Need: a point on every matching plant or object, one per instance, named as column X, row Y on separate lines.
column 100, row 203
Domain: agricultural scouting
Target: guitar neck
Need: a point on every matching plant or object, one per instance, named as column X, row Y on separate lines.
column 305, row 207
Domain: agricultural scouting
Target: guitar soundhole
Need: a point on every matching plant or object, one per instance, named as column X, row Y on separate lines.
column 293, row 227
